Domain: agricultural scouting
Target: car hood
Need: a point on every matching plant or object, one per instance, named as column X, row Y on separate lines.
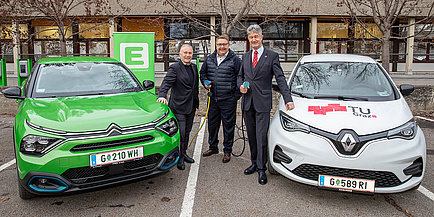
column 90, row 113
column 364, row 117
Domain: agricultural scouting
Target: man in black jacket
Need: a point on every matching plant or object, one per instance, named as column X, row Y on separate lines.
column 221, row 69
column 182, row 77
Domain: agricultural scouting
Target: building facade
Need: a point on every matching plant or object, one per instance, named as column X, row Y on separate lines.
column 291, row 28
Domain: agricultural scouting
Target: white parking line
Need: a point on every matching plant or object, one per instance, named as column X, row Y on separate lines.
column 427, row 119
column 426, row 192
column 190, row 191
column 8, row 164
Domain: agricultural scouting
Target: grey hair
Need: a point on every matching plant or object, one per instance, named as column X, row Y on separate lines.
column 254, row 28
column 185, row 45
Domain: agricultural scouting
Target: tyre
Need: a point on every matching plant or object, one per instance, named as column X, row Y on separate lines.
column 270, row 168
column 24, row 194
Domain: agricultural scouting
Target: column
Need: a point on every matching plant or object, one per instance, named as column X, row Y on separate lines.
column 409, row 48
column 212, row 38
column 16, row 43
column 313, row 34
column 111, row 30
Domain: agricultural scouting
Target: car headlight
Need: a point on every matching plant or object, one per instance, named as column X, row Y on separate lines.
column 291, row 125
column 169, row 127
column 406, row 131
column 37, row 145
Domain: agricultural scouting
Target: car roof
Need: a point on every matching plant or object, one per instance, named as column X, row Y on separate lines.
column 76, row 59
column 336, row 58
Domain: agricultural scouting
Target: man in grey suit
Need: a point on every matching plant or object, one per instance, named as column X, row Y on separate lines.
column 257, row 68
column 183, row 78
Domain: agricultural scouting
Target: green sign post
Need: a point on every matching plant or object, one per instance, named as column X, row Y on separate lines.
column 136, row 51
column 3, row 74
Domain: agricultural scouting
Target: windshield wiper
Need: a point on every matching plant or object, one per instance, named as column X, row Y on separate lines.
column 302, row 95
column 341, row 97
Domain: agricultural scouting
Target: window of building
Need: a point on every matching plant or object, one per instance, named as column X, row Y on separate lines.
column 332, row 30
column 288, row 50
column 370, row 48
column 283, row 30
column 187, row 30
column 94, row 30
column 50, row 32
column 369, row 28
column 155, row 25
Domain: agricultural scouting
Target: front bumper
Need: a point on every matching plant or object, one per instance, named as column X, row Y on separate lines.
column 383, row 160
column 87, row 178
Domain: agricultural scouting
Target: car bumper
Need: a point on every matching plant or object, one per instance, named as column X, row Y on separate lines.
column 383, row 160
column 87, row 178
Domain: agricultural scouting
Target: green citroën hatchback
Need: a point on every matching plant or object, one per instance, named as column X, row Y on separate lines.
column 86, row 122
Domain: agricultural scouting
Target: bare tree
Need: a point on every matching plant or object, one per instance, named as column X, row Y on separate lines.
column 230, row 13
column 63, row 14
column 385, row 14
column 228, row 18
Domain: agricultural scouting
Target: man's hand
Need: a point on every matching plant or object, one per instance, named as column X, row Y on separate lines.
column 208, row 86
column 289, row 106
column 243, row 89
column 162, row 100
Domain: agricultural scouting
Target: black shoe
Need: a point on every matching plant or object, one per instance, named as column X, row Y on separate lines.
column 250, row 170
column 180, row 164
column 188, row 159
column 262, row 178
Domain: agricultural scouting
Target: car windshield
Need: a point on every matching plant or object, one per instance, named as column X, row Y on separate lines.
column 342, row 81
column 74, row 79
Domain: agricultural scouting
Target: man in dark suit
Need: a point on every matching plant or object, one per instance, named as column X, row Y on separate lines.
column 258, row 68
column 183, row 79
column 221, row 69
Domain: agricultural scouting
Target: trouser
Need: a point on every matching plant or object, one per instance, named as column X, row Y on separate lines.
column 257, row 124
column 185, row 123
column 222, row 112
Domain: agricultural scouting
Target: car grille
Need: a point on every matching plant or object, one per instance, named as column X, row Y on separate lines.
column 83, row 175
column 110, row 144
column 382, row 179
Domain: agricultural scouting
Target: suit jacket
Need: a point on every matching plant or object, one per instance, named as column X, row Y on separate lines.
column 260, row 78
column 184, row 96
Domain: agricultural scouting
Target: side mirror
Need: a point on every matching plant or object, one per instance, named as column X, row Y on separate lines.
column 13, row 93
column 406, row 89
column 147, row 84
column 275, row 86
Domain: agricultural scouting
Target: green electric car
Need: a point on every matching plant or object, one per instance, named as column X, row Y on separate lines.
column 87, row 122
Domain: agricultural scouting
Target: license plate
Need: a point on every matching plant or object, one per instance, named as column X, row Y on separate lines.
column 117, row 156
column 346, row 184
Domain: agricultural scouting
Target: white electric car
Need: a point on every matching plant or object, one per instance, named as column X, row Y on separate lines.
column 351, row 129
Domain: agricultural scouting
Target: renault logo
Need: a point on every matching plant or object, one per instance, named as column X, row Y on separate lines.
column 348, row 142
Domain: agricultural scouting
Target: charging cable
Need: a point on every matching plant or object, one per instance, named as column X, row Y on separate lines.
column 206, row 82
column 243, row 137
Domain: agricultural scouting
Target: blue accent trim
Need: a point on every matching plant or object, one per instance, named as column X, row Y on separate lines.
column 321, row 180
column 171, row 165
column 59, row 189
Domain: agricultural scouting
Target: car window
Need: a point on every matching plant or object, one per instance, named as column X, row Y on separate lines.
column 344, row 80
column 72, row 79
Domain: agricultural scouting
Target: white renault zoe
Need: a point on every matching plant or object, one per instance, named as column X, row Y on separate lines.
column 351, row 129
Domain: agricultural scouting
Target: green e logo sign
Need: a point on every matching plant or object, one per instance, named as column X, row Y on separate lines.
column 134, row 55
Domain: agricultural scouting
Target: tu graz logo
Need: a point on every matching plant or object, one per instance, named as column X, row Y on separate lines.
column 357, row 111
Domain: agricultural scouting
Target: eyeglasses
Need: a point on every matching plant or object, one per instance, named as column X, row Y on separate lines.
column 221, row 45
